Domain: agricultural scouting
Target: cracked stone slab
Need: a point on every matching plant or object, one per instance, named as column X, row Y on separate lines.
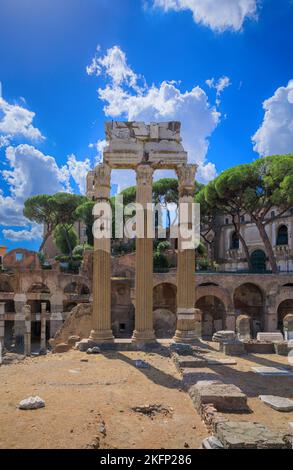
column 224, row 397
column 214, row 361
column 277, row 403
column 272, row 371
column 247, row 435
column 188, row 361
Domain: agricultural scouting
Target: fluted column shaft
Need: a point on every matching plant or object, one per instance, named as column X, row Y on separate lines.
column 188, row 318
column 144, row 331
column 43, row 327
column 101, row 317
column 2, row 329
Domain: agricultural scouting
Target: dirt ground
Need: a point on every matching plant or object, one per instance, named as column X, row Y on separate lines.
column 89, row 404
column 253, row 385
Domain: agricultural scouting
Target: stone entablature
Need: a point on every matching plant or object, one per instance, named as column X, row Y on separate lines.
column 132, row 143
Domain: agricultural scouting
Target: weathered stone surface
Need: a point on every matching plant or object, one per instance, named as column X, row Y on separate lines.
column 78, row 323
column 222, row 336
column 243, row 323
column 225, row 397
column 270, row 337
column 72, row 340
column 218, row 361
column 247, row 435
column 188, row 361
column 212, row 443
column 182, row 349
column 258, row 347
column 272, row 371
column 281, row 348
column 31, row 403
column 234, row 348
column 85, row 344
column 61, row 348
column 277, row 403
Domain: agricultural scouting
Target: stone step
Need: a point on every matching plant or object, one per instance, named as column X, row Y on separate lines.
column 224, row 397
column 248, row 435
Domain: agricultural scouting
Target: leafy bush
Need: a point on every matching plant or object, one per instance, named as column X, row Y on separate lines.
column 160, row 260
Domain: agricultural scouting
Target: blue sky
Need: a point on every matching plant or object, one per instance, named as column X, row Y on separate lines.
column 213, row 65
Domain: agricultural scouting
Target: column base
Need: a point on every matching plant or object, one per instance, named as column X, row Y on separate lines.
column 147, row 336
column 103, row 336
column 191, row 336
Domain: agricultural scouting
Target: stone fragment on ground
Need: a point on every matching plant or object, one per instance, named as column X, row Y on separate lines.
column 182, row 349
column 212, row 443
column 247, row 435
column 94, row 350
column 272, row 371
column 182, row 361
column 221, row 336
column 224, row 397
column 277, row 403
column 140, row 364
column 234, row 348
column 31, row 403
column 61, row 348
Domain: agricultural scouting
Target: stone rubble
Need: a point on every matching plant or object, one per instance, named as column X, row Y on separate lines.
column 31, row 403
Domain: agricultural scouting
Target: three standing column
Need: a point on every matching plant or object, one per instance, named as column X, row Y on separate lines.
column 101, row 318
column 188, row 318
column 144, row 331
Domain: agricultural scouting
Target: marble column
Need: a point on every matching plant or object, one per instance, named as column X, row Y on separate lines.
column 56, row 319
column 188, row 318
column 28, row 326
column 2, row 329
column 101, row 318
column 43, row 345
column 19, row 320
column 144, row 332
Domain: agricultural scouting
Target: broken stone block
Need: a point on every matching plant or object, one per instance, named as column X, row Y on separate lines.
column 234, row 348
column 72, row 340
column 85, row 344
column 212, row 443
column 277, row 403
column 259, row 347
column 224, row 397
column 31, row 403
column 188, row 361
column 140, row 364
column 247, row 435
column 272, row 371
column 61, row 348
column 222, row 336
column 281, row 348
column 270, row 337
column 243, row 323
column 182, row 349
column 94, row 350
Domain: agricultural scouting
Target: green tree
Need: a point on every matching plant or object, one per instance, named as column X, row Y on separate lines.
column 40, row 209
column 84, row 212
column 255, row 189
column 65, row 238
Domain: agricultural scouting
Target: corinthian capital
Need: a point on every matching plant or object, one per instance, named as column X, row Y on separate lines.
column 144, row 175
column 186, row 176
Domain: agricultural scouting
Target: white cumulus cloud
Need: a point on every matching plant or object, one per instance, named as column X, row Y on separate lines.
column 275, row 135
column 16, row 121
column 35, row 232
column 219, row 15
column 30, row 172
column 124, row 98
